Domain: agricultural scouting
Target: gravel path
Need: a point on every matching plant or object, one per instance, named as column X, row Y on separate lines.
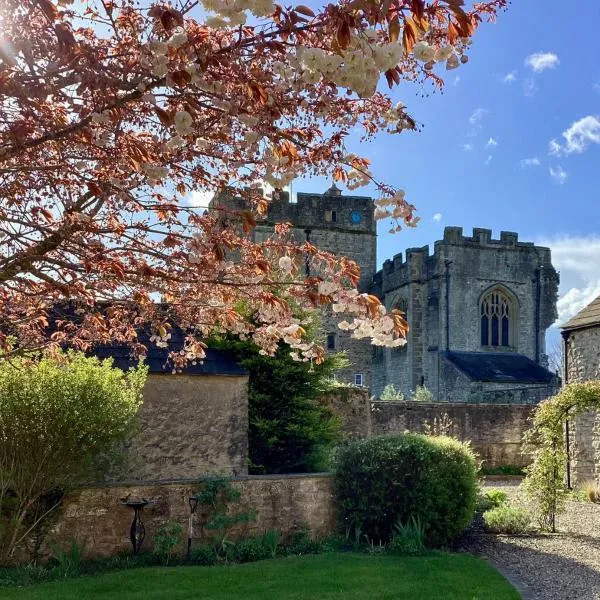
column 562, row 566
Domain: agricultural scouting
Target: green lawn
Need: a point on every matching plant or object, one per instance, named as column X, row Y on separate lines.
column 322, row 577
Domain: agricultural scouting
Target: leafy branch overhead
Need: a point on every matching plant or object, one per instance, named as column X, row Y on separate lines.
column 115, row 113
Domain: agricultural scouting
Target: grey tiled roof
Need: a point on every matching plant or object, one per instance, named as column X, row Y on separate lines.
column 586, row 317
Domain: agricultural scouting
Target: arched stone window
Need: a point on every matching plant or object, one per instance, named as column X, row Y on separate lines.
column 498, row 322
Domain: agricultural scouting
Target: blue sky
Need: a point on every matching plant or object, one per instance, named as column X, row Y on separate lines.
column 465, row 167
column 483, row 157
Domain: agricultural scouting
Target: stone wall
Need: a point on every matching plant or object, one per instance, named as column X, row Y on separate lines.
column 582, row 358
column 494, row 430
column 189, row 426
column 96, row 518
column 353, row 407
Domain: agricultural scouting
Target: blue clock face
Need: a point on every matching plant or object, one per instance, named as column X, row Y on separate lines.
column 355, row 216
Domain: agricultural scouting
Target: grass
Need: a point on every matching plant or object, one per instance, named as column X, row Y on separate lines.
column 439, row 576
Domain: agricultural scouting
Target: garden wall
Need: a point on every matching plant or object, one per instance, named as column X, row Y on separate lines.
column 95, row 516
column 494, row 430
column 190, row 426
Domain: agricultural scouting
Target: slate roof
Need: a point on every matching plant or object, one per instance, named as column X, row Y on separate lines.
column 499, row 367
column 217, row 362
column 586, row 317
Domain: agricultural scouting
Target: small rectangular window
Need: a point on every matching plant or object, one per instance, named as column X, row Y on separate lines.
column 333, row 216
column 358, row 379
column 331, row 341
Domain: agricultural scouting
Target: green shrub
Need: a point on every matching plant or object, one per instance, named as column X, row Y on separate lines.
column 68, row 410
column 408, row 538
column 166, row 539
column 497, row 497
column 67, row 562
column 507, row 519
column 256, row 548
column 290, row 431
column 203, row 554
column 422, row 394
column 391, row 394
column 302, row 542
column 386, row 479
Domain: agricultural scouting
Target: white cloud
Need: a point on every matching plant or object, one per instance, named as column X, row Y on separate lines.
column 437, row 217
column 576, row 257
column 492, row 142
column 478, row 115
column 558, row 174
column 488, row 160
column 530, row 162
column 467, row 147
column 456, row 80
column 200, row 198
column 578, row 137
column 596, row 86
column 510, row 77
column 540, row 61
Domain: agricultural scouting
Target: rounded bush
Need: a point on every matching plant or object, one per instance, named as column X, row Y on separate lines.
column 391, row 479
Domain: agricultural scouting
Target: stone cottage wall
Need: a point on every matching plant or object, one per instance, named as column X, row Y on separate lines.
column 96, row 519
column 583, row 364
column 189, row 426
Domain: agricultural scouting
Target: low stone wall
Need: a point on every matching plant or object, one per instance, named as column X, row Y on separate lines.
column 494, row 430
column 95, row 517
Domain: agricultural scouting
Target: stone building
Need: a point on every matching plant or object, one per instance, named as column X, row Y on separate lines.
column 478, row 307
column 190, row 424
column 581, row 362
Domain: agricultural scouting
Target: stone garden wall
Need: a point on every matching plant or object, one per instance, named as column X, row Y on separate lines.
column 95, row 517
column 494, row 430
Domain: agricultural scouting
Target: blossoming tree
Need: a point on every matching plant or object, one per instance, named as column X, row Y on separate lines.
column 113, row 111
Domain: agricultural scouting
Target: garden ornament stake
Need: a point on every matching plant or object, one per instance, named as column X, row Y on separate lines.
column 193, row 501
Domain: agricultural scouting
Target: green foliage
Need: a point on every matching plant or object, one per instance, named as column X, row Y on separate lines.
column 545, row 442
column 63, row 411
column 391, row 394
column 256, row 548
column 386, row 479
column 215, row 501
column 166, row 539
column 490, row 499
column 408, row 538
column 67, row 561
column 422, row 394
column 507, row 519
column 497, row 497
column 203, row 554
column 290, row 432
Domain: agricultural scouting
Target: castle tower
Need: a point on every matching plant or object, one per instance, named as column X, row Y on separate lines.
column 342, row 225
column 478, row 310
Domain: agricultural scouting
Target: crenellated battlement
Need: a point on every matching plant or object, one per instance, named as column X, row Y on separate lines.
column 415, row 261
column 482, row 237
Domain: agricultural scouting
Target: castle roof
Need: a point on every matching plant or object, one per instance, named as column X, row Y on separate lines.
column 586, row 317
column 499, row 367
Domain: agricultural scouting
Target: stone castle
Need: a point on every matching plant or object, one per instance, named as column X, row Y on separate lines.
column 478, row 307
